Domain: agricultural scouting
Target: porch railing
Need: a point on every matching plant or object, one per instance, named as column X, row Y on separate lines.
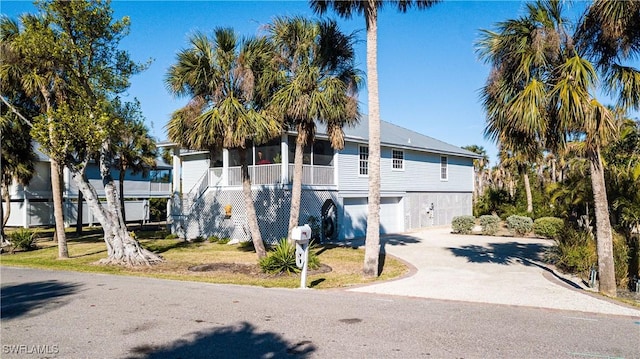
column 272, row 174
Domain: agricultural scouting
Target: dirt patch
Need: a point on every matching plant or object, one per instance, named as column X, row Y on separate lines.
column 248, row 269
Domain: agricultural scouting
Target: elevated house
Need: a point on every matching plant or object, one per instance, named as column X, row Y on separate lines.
column 32, row 205
column 424, row 182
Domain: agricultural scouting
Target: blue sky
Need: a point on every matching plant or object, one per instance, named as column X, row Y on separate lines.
column 429, row 74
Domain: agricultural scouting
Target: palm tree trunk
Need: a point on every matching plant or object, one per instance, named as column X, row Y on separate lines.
column 296, row 188
column 249, row 205
column 372, row 243
column 58, row 212
column 604, row 238
column 527, row 190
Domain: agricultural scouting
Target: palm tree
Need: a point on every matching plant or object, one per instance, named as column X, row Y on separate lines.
column 480, row 167
column 609, row 34
column 319, row 83
column 541, row 87
column 228, row 82
column 369, row 8
column 36, row 75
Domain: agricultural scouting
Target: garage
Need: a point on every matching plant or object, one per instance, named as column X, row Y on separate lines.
column 355, row 216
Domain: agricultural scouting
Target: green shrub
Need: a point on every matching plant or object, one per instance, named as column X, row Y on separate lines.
column 547, row 227
column 171, row 236
column 621, row 256
column 224, row 240
column 198, row 239
column 213, row 239
column 574, row 252
column 490, row 224
column 463, row 224
column 520, row 225
column 282, row 259
column 23, row 238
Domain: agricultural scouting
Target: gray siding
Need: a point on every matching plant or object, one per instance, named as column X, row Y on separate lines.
column 193, row 168
column 421, row 172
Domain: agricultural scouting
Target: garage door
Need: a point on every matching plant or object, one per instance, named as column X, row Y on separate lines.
column 355, row 216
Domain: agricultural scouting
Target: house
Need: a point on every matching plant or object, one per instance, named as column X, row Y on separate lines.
column 424, row 182
column 32, row 205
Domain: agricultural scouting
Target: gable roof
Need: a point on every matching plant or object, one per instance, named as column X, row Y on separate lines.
column 392, row 135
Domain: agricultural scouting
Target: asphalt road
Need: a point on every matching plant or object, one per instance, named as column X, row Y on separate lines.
column 48, row 314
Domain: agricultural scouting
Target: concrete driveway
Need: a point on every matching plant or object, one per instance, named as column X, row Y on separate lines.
column 486, row 269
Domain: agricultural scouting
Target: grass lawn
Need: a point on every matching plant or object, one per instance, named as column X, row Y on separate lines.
column 86, row 250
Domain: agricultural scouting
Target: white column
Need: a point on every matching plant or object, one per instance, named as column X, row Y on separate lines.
column 335, row 167
column 284, row 155
column 225, row 167
column 25, row 208
column 177, row 170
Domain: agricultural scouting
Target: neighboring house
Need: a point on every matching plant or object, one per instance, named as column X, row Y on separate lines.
column 424, row 182
column 32, row 205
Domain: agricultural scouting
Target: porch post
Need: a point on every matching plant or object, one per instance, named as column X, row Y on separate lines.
column 335, row 167
column 225, row 167
column 177, row 170
column 284, row 155
column 25, row 208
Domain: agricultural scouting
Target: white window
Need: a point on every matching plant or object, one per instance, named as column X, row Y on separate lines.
column 444, row 175
column 398, row 159
column 364, row 161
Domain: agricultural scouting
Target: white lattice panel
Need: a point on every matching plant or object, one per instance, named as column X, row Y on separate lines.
column 206, row 217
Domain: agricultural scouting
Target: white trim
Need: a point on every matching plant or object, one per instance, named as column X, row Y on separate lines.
column 393, row 168
column 360, row 174
column 440, row 168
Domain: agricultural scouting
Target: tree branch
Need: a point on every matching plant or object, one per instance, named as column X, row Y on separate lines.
column 13, row 109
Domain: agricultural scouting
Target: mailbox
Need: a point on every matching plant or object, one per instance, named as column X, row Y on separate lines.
column 301, row 234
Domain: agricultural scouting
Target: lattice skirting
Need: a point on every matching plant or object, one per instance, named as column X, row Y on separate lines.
column 206, row 216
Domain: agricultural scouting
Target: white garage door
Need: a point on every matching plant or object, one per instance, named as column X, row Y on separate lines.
column 355, row 216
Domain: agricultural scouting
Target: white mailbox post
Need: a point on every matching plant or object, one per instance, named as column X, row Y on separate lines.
column 301, row 235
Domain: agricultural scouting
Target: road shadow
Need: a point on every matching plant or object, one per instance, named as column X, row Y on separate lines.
column 501, row 253
column 242, row 340
column 34, row 297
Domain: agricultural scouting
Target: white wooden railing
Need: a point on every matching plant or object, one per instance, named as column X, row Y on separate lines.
column 314, row 175
column 271, row 174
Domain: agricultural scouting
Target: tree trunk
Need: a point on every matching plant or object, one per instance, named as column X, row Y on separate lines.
column 604, row 238
column 123, row 170
column 296, row 189
column 527, row 190
column 122, row 249
column 6, row 198
column 249, row 205
column 372, row 243
column 4, row 215
column 79, row 219
column 58, row 212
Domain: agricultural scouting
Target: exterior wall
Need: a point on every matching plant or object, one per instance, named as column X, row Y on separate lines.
column 446, row 205
column 421, row 172
column 193, row 168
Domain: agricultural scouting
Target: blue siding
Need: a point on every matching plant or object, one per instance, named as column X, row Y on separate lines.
column 421, row 172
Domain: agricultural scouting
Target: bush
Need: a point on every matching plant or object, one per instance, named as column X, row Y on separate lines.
column 547, row 227
column 282, row 259
column 490, row 224
column 574, row 252
column 621, row 256
column 463, row 224
column 520, row 225
column 23, row 238
column 213, row 239
column 224, row 240
column 198, row 239
column 171, row 236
